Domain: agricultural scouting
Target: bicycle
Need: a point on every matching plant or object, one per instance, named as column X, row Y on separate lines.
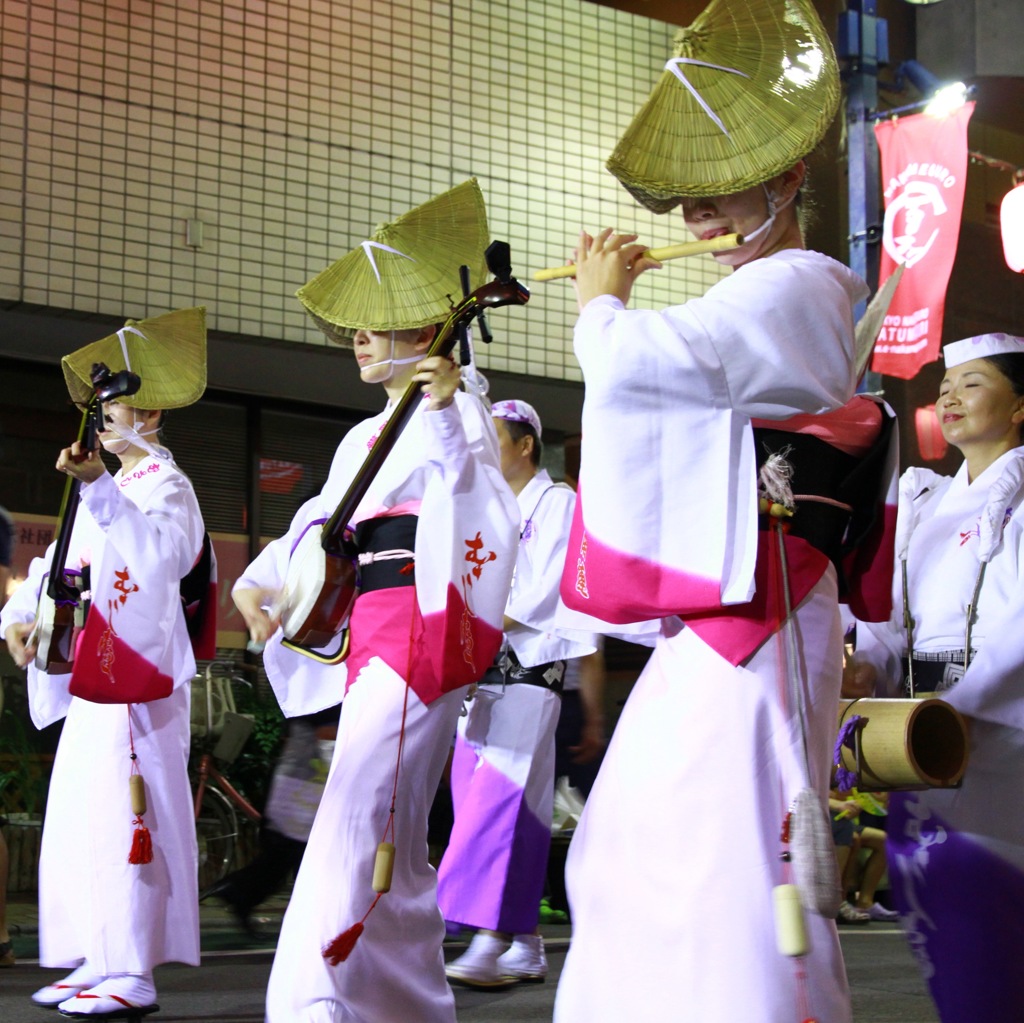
column 215, row 798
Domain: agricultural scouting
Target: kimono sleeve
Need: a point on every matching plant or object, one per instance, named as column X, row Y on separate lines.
column 466, row 541
column 48, row 697
column 166, row 531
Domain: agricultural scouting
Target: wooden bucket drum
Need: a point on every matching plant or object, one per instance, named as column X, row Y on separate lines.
column 905, row 744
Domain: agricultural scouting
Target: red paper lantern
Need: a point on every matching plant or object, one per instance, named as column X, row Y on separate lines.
column 1011, row 217
column 930, row 441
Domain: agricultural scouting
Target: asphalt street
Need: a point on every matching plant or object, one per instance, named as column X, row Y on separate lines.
column 229, row 986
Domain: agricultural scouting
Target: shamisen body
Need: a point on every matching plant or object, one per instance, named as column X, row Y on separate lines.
column 437, row 535
column 421, row 477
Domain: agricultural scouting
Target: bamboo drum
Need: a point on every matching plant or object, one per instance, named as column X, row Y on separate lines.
column 906, row 744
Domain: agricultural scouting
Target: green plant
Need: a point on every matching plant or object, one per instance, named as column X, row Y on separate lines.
column 250, row 772
column 255, row 764
column 25, row 760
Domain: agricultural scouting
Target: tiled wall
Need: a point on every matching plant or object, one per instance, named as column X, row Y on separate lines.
column 291, row 129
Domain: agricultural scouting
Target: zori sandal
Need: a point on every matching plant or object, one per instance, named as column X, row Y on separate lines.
column 87, row 1005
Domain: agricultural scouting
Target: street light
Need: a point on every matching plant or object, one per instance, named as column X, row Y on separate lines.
column 939, row 99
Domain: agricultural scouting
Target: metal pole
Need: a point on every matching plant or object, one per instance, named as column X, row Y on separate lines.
column 863, row 47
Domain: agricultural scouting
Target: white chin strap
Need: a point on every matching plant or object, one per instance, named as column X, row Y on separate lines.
column 759, row 237
column 391, row 360
column 129, row 436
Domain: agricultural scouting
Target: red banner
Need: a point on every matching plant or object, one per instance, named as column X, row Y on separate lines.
column 924, row 168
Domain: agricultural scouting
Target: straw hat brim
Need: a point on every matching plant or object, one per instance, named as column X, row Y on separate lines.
column 170, row 359
column 407, row 274
column 774, row 89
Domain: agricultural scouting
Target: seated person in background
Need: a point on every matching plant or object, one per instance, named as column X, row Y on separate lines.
column 850, row 836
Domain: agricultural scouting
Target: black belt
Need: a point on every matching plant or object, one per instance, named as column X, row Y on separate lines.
column 934, row 672
column 506, row 670
column 395, row 533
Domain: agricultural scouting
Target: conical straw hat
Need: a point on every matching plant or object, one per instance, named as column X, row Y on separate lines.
column 751, row 88
column 407, row 274
column 168, row 353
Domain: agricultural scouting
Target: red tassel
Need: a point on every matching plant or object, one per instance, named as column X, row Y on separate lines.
column 142, row 844
column 339, row 949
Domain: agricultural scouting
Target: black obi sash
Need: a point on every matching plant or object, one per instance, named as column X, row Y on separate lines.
column 821, row 470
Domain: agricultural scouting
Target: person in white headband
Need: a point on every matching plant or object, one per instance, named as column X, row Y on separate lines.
column 493, row 871
column 956, row 856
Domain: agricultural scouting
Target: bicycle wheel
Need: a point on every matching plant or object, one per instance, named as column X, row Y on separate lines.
column 216, row 834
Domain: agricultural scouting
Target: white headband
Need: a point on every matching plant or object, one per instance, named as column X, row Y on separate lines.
column 981, row 346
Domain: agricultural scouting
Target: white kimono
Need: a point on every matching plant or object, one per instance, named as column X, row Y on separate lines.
column 502, row 778
column 443, row 468
column 683, row 824
column 413, row 651
column 93, row 904
column 956, row 856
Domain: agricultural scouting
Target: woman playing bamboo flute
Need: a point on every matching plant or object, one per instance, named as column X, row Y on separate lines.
column 732, row 720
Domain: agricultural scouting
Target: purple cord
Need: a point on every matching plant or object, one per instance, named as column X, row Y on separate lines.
column 845, row 780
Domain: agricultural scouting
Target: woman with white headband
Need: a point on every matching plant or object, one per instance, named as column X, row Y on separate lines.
column 418, row 635
column 729, row 480
column 109, row 907
column 956, row 856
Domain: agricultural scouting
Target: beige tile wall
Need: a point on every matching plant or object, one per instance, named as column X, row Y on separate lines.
column 291, row 129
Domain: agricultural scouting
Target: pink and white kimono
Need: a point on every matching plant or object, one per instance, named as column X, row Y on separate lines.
column 413, row 650
column 682, row 828
column 503, row 770
column 145, row 528
column 956, row 856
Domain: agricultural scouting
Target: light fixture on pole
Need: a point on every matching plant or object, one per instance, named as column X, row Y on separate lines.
column 938, row 100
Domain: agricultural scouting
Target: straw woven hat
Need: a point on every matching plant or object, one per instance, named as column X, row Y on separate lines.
column 767, row 101
column 168, row 353
column 407, row 274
